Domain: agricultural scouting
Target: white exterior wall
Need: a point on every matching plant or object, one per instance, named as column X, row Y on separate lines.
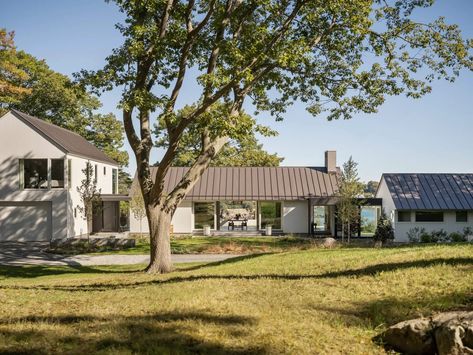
column 78, row 225
column 19, row 141
column 182, row 221
column 449, row 225
column 295, row 217
column 388, row 203
column 401, row 229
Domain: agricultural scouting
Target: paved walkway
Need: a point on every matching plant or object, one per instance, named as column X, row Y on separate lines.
column 33, row 254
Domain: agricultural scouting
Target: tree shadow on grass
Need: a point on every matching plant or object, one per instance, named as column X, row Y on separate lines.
column 225, row 262
column 33, row 271
column 155, row 333
column 371, row 270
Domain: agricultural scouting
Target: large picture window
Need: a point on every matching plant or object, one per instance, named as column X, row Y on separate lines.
column 271, row 214
column 322, row 218
column 369, row 220
column 34, row 173
column 57, row 173
column 204, row 213
column 429, row 216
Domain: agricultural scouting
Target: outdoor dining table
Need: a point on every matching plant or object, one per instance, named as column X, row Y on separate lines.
column 232, row 223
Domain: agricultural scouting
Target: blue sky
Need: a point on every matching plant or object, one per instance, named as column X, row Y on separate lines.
column 433, row 134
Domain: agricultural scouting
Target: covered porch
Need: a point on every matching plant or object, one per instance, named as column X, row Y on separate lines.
column 111, row 215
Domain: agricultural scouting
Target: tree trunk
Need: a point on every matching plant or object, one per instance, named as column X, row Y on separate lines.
column 159, row 224
column 349, row 233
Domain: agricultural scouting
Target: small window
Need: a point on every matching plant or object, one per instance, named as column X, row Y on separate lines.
column 114, row 181
column 105, row 170
column 433, row 216
column 69, row 173
column 403, row 216
column 57, row 173
column 96, row 173
column 462, row 216
column 34, row 173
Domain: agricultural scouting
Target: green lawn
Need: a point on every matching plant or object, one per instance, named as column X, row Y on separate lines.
column 312, row 301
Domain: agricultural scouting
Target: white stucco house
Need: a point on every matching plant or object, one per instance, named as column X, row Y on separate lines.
column 244, row 200
column 430, row 201
column 40, row 169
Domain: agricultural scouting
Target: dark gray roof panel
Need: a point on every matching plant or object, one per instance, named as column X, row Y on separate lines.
column 256, row 183
column 67, row 141
column 431, row 191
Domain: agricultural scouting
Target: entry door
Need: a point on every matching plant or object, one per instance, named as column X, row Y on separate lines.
column 110, row 216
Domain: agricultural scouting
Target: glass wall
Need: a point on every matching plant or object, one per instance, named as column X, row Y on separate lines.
column 369, row 216
column 270, row 214
column 204, row 213
column 322, row 218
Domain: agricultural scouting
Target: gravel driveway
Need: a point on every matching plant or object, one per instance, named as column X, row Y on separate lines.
column 33, row 254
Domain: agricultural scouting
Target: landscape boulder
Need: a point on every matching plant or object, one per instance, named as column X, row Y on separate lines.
column 329, row 243
column 446, row 333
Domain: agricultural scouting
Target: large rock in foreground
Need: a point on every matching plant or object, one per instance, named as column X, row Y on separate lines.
column 446, row 333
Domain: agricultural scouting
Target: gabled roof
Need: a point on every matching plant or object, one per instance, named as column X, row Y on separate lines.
column 431, row 191
column 256, row 183
column 67, row 141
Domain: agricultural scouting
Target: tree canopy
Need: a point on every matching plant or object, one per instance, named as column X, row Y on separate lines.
column 336, row 57
column 29, row 85
column 243, row 150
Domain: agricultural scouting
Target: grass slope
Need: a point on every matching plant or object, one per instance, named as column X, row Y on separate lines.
column 313, row 301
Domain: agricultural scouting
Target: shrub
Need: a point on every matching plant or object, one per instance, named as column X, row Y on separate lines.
column 414, row 234
column 436, row 236
column 457, row 237
column 384, row 230
column 467, row 232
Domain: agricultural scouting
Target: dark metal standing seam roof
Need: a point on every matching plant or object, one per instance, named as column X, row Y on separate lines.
column 431, row 191
column 256, row 183
column 67, row 141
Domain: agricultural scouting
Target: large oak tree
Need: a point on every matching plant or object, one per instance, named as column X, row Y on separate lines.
column 338, row 57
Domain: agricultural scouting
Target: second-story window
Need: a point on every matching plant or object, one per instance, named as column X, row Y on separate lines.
column 57, row 173
column 114, row 181
column 96, row 173
column 34, row 173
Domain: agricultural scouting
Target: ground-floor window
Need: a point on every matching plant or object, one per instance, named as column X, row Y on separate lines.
column 322, row 218
column 235, row 215
column 429, row 216
column 270, row 214
column 461, row 216
column 369, row 216
column 204, row 213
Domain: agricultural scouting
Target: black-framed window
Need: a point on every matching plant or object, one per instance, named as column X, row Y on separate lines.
column 57, row 173
column 403, row 216
column 461, row 216
column 34, row 173
column 204, row 213
column 429, row 216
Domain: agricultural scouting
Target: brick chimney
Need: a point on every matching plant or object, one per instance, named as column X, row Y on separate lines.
column 331, row 161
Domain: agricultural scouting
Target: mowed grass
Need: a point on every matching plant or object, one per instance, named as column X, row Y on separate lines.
column 312, row 301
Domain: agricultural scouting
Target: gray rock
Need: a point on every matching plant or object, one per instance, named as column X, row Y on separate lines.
column 448, row 333
column 329, row 243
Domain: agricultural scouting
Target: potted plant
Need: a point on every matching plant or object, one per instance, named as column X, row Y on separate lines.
column 206, row 230
column 269, row 229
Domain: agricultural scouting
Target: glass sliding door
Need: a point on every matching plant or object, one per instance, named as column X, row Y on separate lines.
column 204, row 215
column 270, row 214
